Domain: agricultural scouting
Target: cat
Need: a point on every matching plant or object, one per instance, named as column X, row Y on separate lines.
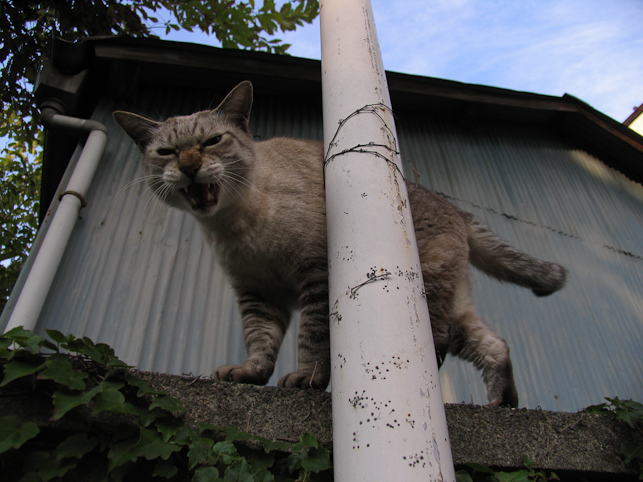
column 261, row 205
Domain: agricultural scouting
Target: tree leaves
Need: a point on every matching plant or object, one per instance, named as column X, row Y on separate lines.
column 20, row 170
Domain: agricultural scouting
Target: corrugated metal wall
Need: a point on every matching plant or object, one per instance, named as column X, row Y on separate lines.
column 137, row 276
column 562, row 205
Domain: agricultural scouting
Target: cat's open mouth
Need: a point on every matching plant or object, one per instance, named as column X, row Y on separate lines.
column 201, row 195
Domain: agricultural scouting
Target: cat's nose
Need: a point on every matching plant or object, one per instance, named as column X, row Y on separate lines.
column 190, row 162
column 189, row 170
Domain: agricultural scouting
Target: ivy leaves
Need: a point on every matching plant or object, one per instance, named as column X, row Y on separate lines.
column 631, row 412
column 13, row 433
column 528, row 474
column 148, row 437
column 308, row 455
column 148, row 444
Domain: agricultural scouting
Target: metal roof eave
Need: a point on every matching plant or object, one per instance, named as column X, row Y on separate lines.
column 154, row 61
column 616, row 144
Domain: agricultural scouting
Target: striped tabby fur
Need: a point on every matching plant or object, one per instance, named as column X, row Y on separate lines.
column 262, row 207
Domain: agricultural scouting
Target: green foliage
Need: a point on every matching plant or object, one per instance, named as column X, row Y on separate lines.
column 152, row 442
column 148, row 440
column 20, row 169
column 630, row 412
column 13, row 433
column 27, row 28
column 483, row 473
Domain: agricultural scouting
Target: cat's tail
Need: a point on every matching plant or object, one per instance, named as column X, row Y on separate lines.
column 497, row 258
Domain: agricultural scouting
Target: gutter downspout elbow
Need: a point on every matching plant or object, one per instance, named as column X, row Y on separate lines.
column 52, row 118
column 40, row 278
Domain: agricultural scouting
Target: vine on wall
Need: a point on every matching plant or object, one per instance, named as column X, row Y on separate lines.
column 148, row 439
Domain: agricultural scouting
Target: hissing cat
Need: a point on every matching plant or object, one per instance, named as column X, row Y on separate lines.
column 261, row 205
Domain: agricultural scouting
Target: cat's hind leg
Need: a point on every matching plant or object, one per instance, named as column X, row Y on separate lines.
column 264, row 326
column 474, row 341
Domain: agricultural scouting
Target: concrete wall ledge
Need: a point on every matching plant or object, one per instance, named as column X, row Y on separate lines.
column 577, row 446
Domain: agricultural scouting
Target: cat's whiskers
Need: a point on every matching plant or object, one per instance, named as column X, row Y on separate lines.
column 161, row 190
column 233, row 181
column 119, row 193
column 146, row 208
column 139, row 180
column 236, row 176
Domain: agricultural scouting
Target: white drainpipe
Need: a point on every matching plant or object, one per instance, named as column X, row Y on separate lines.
column 36, row 287
column 389, row 421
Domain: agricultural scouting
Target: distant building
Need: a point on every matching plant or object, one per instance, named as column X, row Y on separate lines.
column 635, row 121
column 551, row 175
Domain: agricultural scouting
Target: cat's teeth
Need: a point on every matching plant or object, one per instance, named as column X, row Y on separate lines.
column 185, row 190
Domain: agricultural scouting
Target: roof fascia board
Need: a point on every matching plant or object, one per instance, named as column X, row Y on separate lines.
column 566, row 112
column 209, row 58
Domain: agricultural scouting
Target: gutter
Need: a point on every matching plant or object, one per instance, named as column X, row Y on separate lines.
column 389, row 421
column 33, row 295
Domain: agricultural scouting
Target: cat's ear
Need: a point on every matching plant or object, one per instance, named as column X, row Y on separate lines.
column 237, row 104
column 139, row 128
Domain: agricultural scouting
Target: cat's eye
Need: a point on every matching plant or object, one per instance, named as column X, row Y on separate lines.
column 212, row 141
column 165, row 152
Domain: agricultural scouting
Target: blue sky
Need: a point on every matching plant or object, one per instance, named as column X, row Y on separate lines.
column 591, row 49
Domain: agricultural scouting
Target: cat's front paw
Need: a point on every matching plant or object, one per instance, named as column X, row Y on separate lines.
column 244, row 373
column 305, row 380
